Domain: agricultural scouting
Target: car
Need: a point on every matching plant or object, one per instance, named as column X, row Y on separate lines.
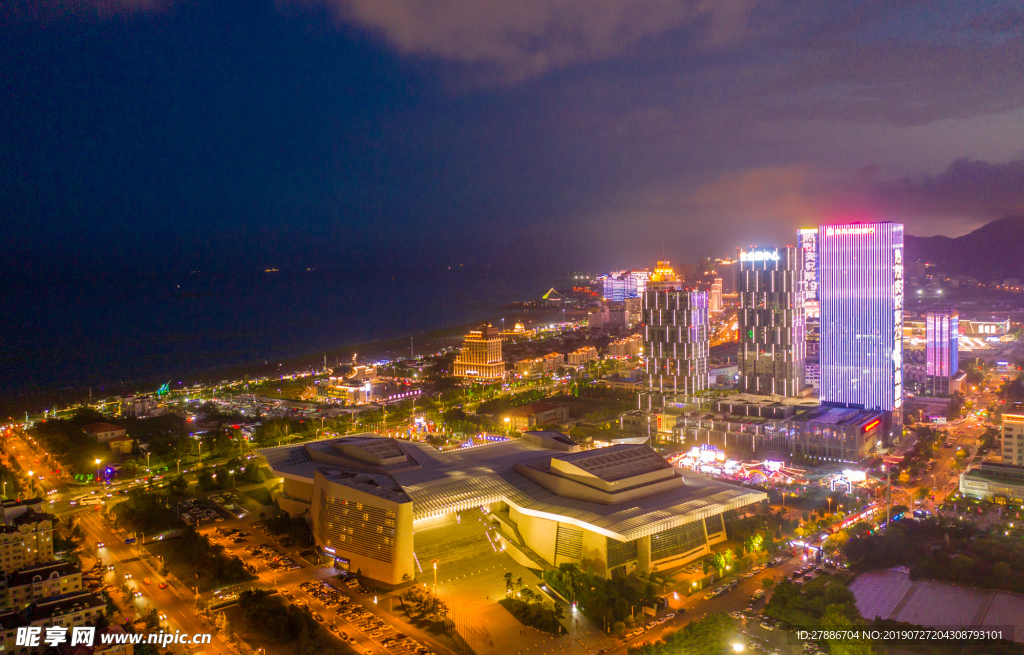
column 670, row 615
column 317, row 617
column 110, row 567
column 127, row 576
column 367, row 651
column 137, row 594
column 766, row 625
column 99, row 545
column 162, row 585
column 162, row 616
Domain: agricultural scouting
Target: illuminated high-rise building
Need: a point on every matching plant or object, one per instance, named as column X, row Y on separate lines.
column 861, row 292
column 676, row 342
column 808, row 243
column 664, row 278
column 715, row 295
column 771, row 321
column 619, row 285
column 942, row 329
column 480, row 356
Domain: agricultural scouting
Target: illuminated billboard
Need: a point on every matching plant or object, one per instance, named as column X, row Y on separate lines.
column 759, row 256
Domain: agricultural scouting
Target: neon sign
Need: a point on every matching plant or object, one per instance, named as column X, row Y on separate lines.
column 840, row 231
column 759, row 256
column 870, row 426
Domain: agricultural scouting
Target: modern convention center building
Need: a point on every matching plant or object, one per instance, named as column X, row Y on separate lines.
column 614, row 509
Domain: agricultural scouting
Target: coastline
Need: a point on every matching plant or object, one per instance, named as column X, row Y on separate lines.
column 428, row 342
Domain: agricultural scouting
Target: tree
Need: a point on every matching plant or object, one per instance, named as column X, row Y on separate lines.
column 178, row 486
column 152, row 619
column 754, row 543
column 835, row 542
column 922, row 493
column 509, row 584
column 904, row 478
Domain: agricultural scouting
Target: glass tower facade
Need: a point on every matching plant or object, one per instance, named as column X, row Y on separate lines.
column 771, row 321
column 942, row 359
column 860, row 270
column 675, row 342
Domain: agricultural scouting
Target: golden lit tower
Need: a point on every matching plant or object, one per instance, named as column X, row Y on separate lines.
column 480, row 357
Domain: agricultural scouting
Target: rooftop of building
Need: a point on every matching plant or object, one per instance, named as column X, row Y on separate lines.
column 17, row 502
column 996, row 470
column 97, row 428
column 10, row 620
column 765, row 401
column 27, row 518
column 63, row 604
column 382, row 486
column 531, row 409
column 46, row 571
column 838, row 416
column 438, row 483
column 554, row 435
column 617, row 462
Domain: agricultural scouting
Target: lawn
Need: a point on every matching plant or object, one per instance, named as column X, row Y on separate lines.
column 261, row 495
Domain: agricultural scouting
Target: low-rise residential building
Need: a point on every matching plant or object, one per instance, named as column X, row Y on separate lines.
column 141, row 407
column 628, row 347
column 34, row 583
column 583, row 356
column 526, row 417
column 104, row 432
column 67, row 611
column 25, row 541
column 541, row 365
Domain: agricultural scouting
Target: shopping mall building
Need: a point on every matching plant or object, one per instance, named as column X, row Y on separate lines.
column 614, row 509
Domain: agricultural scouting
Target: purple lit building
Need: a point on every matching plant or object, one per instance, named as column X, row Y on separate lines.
column 860, row 269
column 941, row 351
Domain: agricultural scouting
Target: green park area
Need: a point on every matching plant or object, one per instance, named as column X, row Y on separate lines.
column 198, row 563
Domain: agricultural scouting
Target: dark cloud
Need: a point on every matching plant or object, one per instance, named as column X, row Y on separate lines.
column 524, row 39
column 601, row 128
column 977, row 190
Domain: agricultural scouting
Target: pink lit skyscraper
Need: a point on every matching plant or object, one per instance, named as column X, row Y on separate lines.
column 942, row 329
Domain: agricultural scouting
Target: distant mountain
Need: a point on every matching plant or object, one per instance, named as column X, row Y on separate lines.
column 994, row 251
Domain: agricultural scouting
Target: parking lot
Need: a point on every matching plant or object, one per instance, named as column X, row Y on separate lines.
column 329, row 594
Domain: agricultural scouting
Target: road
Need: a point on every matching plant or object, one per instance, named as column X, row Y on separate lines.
column 177, row 604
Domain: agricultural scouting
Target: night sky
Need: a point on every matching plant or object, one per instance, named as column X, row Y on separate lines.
column 151, row 134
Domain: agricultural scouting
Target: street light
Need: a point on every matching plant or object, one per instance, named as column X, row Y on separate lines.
column 737, row 647
column 97, row 470
column 435, row 578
